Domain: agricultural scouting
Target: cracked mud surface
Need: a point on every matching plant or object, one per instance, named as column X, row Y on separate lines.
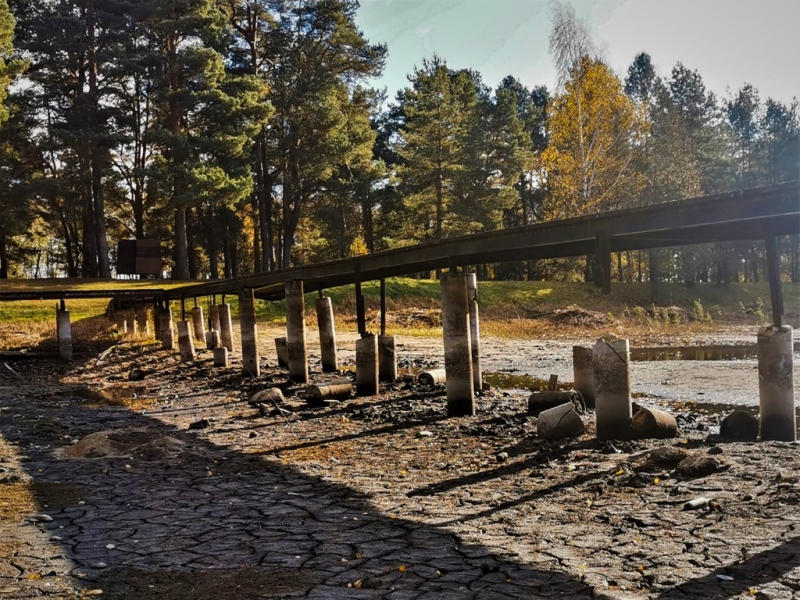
column 379, row 497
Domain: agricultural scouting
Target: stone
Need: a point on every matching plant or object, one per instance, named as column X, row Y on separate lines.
column 666, row 456
column 740, row 426
column 201, row 424
column 700, row 465
column 268, row 395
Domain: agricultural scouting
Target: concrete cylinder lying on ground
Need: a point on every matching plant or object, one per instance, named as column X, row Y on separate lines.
column 582, row 374
column 559, row 422
column 432, row 377
column 327, row 335
column 612, row 389
column 64, row 331
column 341, row 389
column 167, row 330
column 282, row 350
column 198, row 324
column 387, row 358
column 296, row 332
column 457, row 345
column 212, row 339
column 249, row 333
column 653, row 423
column 220, row 356
column 541, row 401
column 226, row 326
column 474, row 330
column 130, row 320
column 185, row 343
column 776, row 383
column 142, row 324
column 213, row 318
column 367, row 366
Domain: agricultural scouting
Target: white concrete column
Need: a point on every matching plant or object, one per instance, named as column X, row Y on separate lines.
column 776, row 383
column 185, row 343
column 213, row 318
column 198, row 324
column 282, row 350
column 167, row 329
column 387, row 358
column 474, row 330
column 582, row 374
column 249, row 333
column 130, row 320
column 142, row 325
column 226, row 326
column 612, row 389
column 457, row 345
column 296, row 332
column 64, row 331
column 367, row 366
column 327, row 335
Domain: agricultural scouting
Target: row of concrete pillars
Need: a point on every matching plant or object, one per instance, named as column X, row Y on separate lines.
column 602, row 373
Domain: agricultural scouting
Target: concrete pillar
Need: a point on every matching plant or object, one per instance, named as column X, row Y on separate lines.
column 122, row 324
column 296, row 332
column 327, row 335
column 474, row 330
column 198, row 324
column 367, row 366
column 582, row 374
column 457, row 345
column 142, row 325
column 249, row 332
column 226, row 326
column 387, row 358
column 167, row 330
column 64, row 331
column 282, row 350
column 776, row 384
column 185, row 343
column 130, row 320
column 212, row 339
column 213, row 318
column 221, row 356
column 157, row 321
column 612, row 389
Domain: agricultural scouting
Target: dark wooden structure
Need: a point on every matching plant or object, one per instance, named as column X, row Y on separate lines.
column 139, row 257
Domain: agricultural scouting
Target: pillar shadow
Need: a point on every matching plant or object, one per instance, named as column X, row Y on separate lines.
column 201, row 521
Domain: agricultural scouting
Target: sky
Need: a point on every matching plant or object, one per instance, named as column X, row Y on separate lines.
column 730, row 42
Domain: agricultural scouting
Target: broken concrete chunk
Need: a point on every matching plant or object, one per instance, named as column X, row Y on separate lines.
column 696, row 504
column 700, row 465
column 432, row 377
column 740, row 426
column 560, row 422
column 653, row 423
column 266, row 396
column 540, row 401
column 666, row 456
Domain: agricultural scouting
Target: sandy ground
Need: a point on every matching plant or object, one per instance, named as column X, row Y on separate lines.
column 188, row 492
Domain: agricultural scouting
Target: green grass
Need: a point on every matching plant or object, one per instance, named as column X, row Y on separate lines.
column 498, row 299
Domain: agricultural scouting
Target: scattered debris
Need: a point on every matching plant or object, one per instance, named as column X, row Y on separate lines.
column 560, row 422
column 432, row 377
column 340, row 389
column 652, row 423
column 274, row 395
column 697, row 503
column 144, row 443
column 540, row 401
column 700, row 465
column 740, row 426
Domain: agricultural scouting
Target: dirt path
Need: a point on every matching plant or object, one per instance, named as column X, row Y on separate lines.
column 372, row 498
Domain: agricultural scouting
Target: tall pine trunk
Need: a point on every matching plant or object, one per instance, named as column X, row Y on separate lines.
column 3, row 257
column 181, row 270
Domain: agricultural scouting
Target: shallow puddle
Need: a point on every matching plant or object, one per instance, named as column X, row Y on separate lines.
column 722, row 352
column 133, row 396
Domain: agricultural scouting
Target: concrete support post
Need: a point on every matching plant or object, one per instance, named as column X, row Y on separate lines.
column 130, row 320
column 387, row 358
column 226, row 326
column 612, row 389
column 198, row 324
column 474, row 330
column 213, row 319
column 367, row 366
column 249, row 333
column 774, row 274
column 282, row 350
column 121, row 323
column 157, row 321
column 212, row 339
column 327, row 335
column 221, row 356
column 64, row 331
column 457, row 345
column 602, row 253
column 167, row 330
column 296, row 332
column 582, row 374
column 185, row 343
column 142, row 320
column 776, row 383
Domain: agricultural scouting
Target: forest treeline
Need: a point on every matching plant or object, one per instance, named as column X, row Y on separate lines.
column 248, row 135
